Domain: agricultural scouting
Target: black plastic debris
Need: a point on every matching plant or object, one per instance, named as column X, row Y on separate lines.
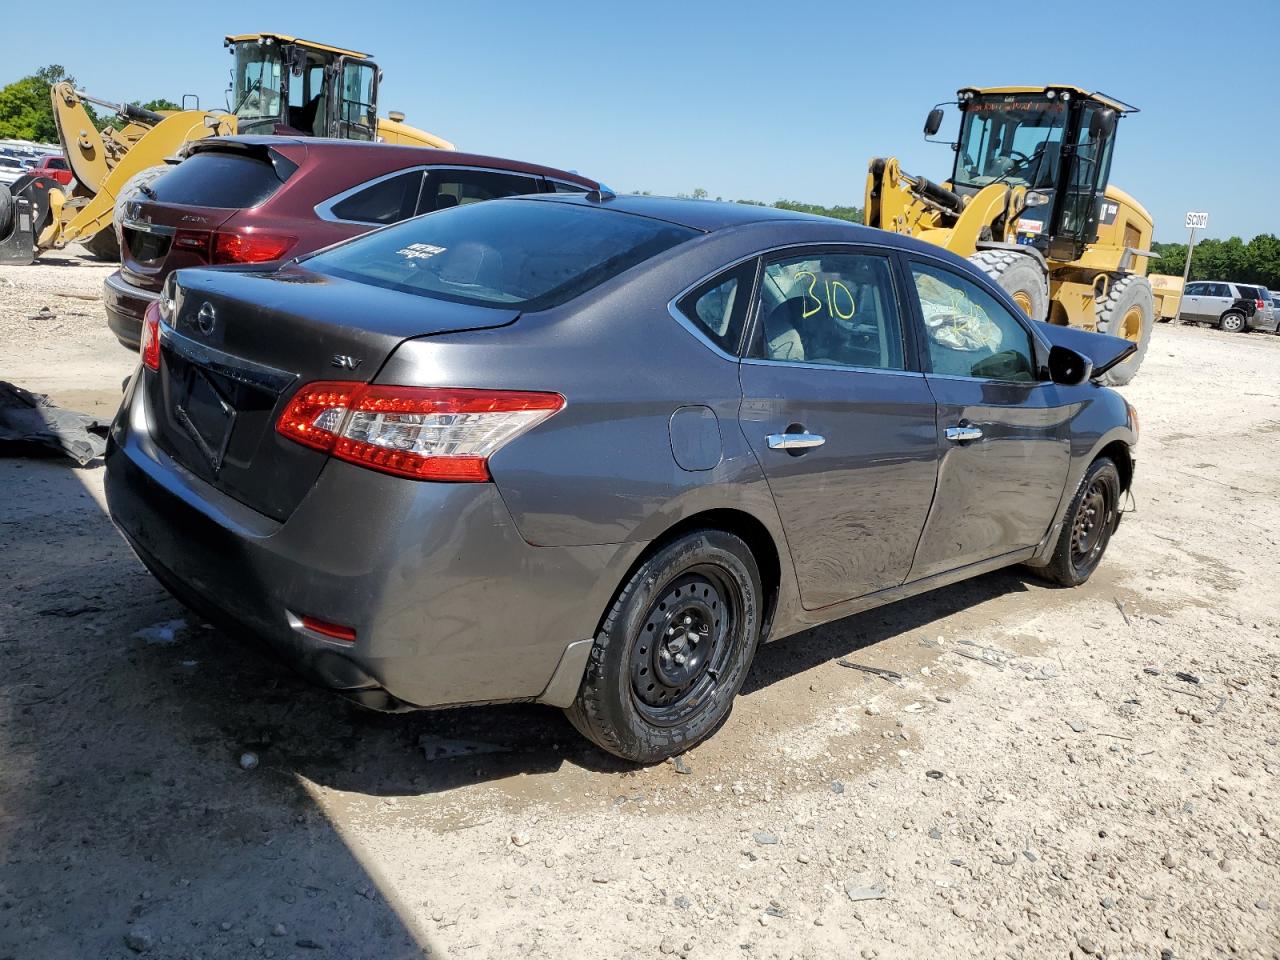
column 30, row 424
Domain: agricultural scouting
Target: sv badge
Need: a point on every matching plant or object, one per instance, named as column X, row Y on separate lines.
column 344, row 362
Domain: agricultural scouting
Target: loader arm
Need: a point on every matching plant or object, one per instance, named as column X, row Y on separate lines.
column 74, row 220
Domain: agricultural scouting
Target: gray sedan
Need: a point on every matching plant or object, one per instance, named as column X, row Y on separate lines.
column 591, row 451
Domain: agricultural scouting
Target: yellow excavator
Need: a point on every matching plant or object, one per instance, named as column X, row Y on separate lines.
column 280, row 85
column 1029, row 202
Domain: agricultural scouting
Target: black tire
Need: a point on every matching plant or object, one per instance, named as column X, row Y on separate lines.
column 6, row 211
column 103, row 245
column 701, row 594
column 1019, row 276
column 1233, row 321
column 131, row 190
column 1089, row 523
column 1125, row 295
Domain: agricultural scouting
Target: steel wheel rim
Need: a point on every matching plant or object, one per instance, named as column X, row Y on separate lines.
column 1233, row 323
column 1023, row 300
column 1090, row 525
column 1131, row 326
column 685, row 645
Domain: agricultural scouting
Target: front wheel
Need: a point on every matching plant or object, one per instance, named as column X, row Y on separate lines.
column 673, row 649
column 1231, row 322
column 1087, row 529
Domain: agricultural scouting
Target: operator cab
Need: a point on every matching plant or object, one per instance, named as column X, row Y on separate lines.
column 287, row 86
column 1056, row 142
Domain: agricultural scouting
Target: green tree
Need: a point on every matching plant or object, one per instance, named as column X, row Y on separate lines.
column 160, row 103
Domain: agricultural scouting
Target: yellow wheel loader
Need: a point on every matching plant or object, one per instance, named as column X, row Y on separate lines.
column 1029, row 202
column 280, row 85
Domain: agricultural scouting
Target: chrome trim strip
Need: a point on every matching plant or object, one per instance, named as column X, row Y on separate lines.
column 228, row 365
column 324, row 209
column 144, row 227
column 758, row 362
column 122, row 286
column 1012, row 383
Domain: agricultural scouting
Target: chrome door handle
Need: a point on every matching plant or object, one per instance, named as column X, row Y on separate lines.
column 963, row 433
column 794, row 441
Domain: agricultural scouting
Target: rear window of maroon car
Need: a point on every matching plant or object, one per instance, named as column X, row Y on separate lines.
column 524, row 253
column 224, row 179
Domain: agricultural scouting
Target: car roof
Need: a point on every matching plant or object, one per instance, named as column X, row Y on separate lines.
column 393, row 154
column 704, row 215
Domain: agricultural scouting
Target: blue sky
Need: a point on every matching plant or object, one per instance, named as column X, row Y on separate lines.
column 745, row 99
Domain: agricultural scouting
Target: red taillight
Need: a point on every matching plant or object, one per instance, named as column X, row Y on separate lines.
column 425, row 433
column 1262, row 304
column 334, row 630
column 149, row 346
column 249, row 246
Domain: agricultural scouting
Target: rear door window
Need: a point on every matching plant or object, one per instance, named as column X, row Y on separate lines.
column 218, row 179
column 387, row 200
column 532, row 254
column 830, row 308
column 446, row 187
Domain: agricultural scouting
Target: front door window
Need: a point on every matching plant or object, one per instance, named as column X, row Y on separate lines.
column 968, row 332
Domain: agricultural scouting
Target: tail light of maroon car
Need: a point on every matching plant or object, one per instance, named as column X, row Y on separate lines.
column 149, row 347
column 235, row 246
column 424, row 433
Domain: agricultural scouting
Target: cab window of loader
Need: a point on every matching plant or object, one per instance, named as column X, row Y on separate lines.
column 256, row 86
column 1011, row 140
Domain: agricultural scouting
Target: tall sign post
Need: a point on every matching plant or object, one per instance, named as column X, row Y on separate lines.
column 1195, row 221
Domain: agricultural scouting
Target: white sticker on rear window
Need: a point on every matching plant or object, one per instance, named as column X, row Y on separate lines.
column 420, row 251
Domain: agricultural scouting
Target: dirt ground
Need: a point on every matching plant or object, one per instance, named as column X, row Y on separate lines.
column 1059, row 773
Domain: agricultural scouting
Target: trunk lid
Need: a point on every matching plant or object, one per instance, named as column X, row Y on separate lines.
column 241, row 341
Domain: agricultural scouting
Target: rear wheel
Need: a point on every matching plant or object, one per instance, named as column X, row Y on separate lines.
column 1019, row 276
column 1232, row 322
column 1127, row 311
column 673, row 650
column 1087, row 529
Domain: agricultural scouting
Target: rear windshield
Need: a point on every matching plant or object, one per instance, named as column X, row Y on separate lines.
column 529, row 254
column 218, row 179
column 55, row 163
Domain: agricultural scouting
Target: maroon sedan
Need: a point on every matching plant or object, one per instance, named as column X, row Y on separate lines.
column 257, row 199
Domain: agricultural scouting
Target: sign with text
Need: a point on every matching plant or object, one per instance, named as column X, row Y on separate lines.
column 1197, row 221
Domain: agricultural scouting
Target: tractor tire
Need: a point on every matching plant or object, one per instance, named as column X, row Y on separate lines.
column 7, row 208
column 1019, row 276
column 1127, row 311
column 131, row 190
column 103, row 245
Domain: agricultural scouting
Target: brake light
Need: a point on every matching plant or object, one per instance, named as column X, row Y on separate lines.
column 1261, row 304
column 249, row 246
column 334, row 630
column 425, row 433
column 149, row 346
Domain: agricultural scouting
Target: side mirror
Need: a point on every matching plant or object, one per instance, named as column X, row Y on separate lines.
column 933, row 123
column 1068, row 367
column 1102, row 124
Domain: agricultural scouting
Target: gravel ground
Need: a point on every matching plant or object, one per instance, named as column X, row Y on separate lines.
column 1088, row 772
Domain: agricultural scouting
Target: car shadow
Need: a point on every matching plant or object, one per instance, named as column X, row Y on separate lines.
column 123, row 798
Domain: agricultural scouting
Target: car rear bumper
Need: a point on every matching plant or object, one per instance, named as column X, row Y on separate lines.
column 449, row 604
column 125, row 305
